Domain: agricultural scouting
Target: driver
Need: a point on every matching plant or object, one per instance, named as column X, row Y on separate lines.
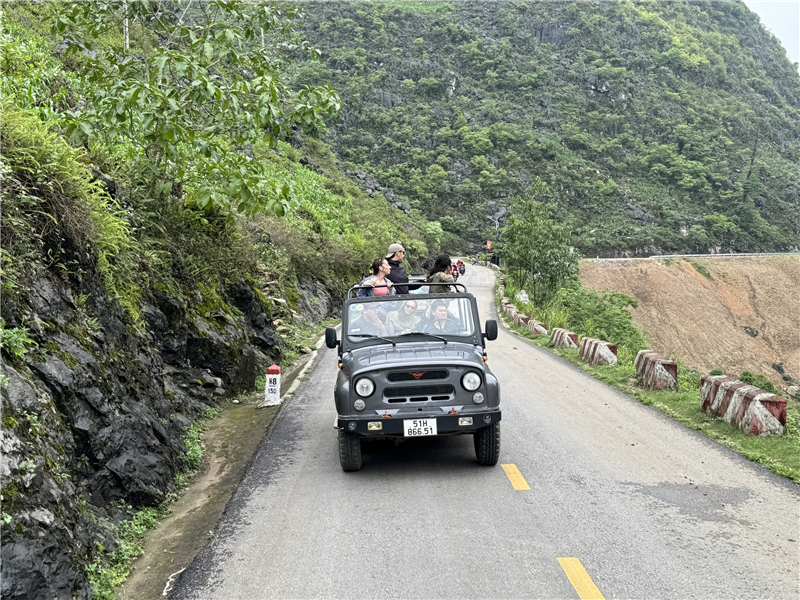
column 441, row 321
column 368, row 323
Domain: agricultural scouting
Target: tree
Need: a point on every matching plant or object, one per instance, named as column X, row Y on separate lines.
column 536, row 247
column 722, row 231
column 697, row 239
column 191, row 104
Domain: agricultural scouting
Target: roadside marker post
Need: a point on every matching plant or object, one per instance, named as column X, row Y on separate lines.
column 272, row 389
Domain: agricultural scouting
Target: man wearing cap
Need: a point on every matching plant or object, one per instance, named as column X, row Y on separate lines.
column 398, row 275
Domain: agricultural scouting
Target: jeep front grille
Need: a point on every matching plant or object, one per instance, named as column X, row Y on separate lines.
column 422, row 393
column 418, row 375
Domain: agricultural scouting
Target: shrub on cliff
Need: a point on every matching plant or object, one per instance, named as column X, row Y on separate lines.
column 55, row 211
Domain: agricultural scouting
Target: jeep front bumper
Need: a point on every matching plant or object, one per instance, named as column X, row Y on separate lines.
column 446, row 424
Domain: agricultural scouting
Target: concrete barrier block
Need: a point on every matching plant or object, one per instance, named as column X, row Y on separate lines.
column 597, row 352
column 753, row 410
column 521, row 319
column 536, row 327
column 561, row 338
column 657, row 372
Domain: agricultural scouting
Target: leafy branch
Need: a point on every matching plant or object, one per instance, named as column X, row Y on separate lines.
column 193, row 102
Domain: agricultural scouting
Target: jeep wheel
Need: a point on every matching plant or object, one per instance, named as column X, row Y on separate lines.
column 487, row 444
column 349, row 450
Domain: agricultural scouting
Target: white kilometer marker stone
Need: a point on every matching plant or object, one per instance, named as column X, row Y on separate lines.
column 272, row 389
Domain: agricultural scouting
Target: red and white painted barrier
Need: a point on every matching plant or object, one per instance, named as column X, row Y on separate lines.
column 753, row 410
column 657, row 372
column 597, row 352
column 561, row 338
column 521, row 319
column 537, row 327
column 511, row 311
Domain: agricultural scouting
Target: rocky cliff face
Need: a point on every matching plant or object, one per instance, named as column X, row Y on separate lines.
column 93, row 416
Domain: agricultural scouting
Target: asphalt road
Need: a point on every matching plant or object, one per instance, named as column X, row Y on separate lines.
column 648, row 507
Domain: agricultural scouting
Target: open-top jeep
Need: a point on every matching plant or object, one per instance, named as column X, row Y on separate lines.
column 414, row 365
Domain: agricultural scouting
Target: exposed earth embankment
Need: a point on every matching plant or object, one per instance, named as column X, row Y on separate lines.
column 731, row 313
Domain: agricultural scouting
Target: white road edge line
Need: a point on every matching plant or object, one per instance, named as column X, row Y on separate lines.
column 170, row 582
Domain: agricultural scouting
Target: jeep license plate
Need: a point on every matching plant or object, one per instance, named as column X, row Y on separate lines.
column 415, row 427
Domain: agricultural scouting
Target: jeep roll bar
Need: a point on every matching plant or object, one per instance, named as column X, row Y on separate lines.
column 458, row 287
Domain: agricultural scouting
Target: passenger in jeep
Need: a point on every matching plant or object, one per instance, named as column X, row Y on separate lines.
column 369, row 323
column 404, row 320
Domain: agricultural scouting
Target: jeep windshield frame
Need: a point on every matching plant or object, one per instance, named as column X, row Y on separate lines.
column 399, row 324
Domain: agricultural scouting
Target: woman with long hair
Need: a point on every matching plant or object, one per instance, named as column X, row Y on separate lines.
column 438, row 274
column 377, row 283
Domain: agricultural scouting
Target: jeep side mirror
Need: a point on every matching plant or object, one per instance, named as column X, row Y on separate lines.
column 332, row 342
column 491, row 330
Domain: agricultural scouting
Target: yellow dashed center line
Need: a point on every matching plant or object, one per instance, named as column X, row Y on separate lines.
column 515, row 477
column 580, row 579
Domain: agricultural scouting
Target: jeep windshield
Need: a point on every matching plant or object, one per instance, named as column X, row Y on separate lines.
column 407, row 318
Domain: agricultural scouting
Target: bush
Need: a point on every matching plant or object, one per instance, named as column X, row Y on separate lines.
column 760, row 381
column 587, row 313
column 602, row 316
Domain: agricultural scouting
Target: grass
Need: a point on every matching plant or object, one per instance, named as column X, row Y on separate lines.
column 780, row 454
column 700, row 268
column 111, row 569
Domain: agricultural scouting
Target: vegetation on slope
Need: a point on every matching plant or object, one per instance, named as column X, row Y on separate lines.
column 659, row 126
column 156, row 229
column 108, row 197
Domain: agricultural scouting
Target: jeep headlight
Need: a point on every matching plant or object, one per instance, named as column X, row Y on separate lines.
column 364, row 387
column 471, row 381
column 359, row 404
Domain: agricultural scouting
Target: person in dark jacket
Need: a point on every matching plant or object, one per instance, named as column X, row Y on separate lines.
column 398, row 275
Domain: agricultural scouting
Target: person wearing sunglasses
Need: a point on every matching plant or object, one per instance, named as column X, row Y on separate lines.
column 405, row 320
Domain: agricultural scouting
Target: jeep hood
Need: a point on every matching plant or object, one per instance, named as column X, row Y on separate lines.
column 412, row 354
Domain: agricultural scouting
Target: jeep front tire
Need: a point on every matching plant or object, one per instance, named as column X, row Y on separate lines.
column 350, row 451
column 487, row 444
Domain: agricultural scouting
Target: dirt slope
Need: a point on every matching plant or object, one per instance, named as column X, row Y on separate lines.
column 734, row 314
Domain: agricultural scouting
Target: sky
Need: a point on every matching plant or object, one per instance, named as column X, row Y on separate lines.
column 782, row 17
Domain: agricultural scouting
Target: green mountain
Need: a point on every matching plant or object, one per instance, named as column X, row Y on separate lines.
column 657, row 126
